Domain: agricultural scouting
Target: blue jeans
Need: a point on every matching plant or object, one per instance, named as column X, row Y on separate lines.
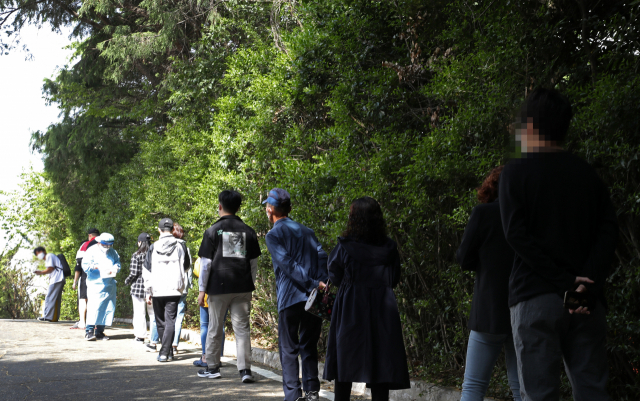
column 482, row 354
column 204, row 329
column 99, row 328
column 182, row 307
column 154, row 339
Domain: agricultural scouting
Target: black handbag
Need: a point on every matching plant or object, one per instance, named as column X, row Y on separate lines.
column 320, row 302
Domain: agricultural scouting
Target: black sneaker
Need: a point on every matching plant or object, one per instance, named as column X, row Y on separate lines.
column 138, row 340
column 151, row 347
column 246, row 376
column 312, row 396
column 90, row 337
column 210, row 373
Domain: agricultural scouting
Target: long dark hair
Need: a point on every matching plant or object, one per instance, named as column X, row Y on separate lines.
column 143, row 248
column 366, row 222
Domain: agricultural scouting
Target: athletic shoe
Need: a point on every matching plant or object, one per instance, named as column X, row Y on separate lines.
column 312, row 396
column 151, row 348
column 90, row 337
column 75, row 326
column 163, row 358
column 246, row 376
column 41, row 319
column 138, row 340
column 175, row 349
column 200, row 364
column 210, row 373
column 102, row 338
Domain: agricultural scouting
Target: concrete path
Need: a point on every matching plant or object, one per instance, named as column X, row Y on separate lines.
column 49, row 361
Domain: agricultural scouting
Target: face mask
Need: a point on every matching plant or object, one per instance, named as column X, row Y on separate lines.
column 40, row 256
column 104, row 249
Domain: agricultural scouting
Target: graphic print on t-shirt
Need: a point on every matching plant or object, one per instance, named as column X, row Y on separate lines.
column 234, row 245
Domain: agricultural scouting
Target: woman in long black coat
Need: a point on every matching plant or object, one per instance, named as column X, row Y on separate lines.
column 365, row 338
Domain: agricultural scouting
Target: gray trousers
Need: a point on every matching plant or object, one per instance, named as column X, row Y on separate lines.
column 239, row 306
column 53, row 298
column 544, row 333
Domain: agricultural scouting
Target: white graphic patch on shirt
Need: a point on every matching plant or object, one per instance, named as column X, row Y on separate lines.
column 234, row 245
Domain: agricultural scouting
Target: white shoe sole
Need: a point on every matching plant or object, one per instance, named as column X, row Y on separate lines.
column 210, row 376
column 248, row 379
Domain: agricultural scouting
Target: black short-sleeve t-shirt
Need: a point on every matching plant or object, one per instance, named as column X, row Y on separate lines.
column 231, row 245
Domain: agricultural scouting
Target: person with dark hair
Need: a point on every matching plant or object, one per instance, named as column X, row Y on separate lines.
column 165, row 266
column 101, row 263
column 53, row 268
column 485, row 251
column 80, row 278
column 365, row 342
column 136, row 281
column 300, row 266
column 558, row 218
column 178, row 233
column 228, row 268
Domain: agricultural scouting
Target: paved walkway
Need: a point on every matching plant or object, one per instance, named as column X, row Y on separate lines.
column 49, row 361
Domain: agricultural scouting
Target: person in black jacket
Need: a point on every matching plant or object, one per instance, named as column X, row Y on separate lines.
column 558, row 218
column 485, row 251
column 365, row 338
column 228, row 254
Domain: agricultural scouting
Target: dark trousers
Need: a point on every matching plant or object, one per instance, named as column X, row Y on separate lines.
column 545, row 334
column 343, row 392
column 166, row 310
column 298, row 333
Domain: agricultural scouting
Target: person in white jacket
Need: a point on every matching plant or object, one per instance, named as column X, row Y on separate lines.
column 101, row 263
column 164, row 280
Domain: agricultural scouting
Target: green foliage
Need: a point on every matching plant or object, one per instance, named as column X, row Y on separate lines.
column 17, row 299
column 408, row 101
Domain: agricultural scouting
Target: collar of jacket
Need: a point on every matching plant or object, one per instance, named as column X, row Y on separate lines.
column 281, row 220
column 166, row 235
column 229, row 216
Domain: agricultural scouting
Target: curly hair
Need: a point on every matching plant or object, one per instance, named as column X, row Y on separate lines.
column 488, row 191
column 366, row 222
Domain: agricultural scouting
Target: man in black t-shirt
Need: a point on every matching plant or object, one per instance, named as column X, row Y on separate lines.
column 80, row 277
column 558, row 218
column 228, row 266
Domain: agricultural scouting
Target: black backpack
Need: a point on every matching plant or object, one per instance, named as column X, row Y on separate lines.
column 66, row 270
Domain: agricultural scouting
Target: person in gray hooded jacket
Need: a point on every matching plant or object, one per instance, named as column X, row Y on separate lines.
column 164, row 281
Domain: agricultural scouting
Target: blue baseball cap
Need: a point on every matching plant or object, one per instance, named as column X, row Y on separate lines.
column 278, row 197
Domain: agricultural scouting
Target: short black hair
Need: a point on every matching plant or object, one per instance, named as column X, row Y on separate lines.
column 230, row 201
column 283, row 210
column 550, row 111
column 39, row 249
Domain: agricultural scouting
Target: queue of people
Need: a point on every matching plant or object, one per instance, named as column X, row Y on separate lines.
column 542, row 236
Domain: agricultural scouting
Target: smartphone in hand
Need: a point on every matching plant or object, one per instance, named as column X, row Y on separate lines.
column 574, row 300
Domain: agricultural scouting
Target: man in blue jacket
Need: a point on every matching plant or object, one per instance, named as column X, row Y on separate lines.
column 300, row 265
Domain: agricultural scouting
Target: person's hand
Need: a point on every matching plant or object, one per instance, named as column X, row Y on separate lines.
column 201, row 298
column 73, row 286
column 322, row 286
column 580, row 280
column 148, row 299
column 581, row 288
